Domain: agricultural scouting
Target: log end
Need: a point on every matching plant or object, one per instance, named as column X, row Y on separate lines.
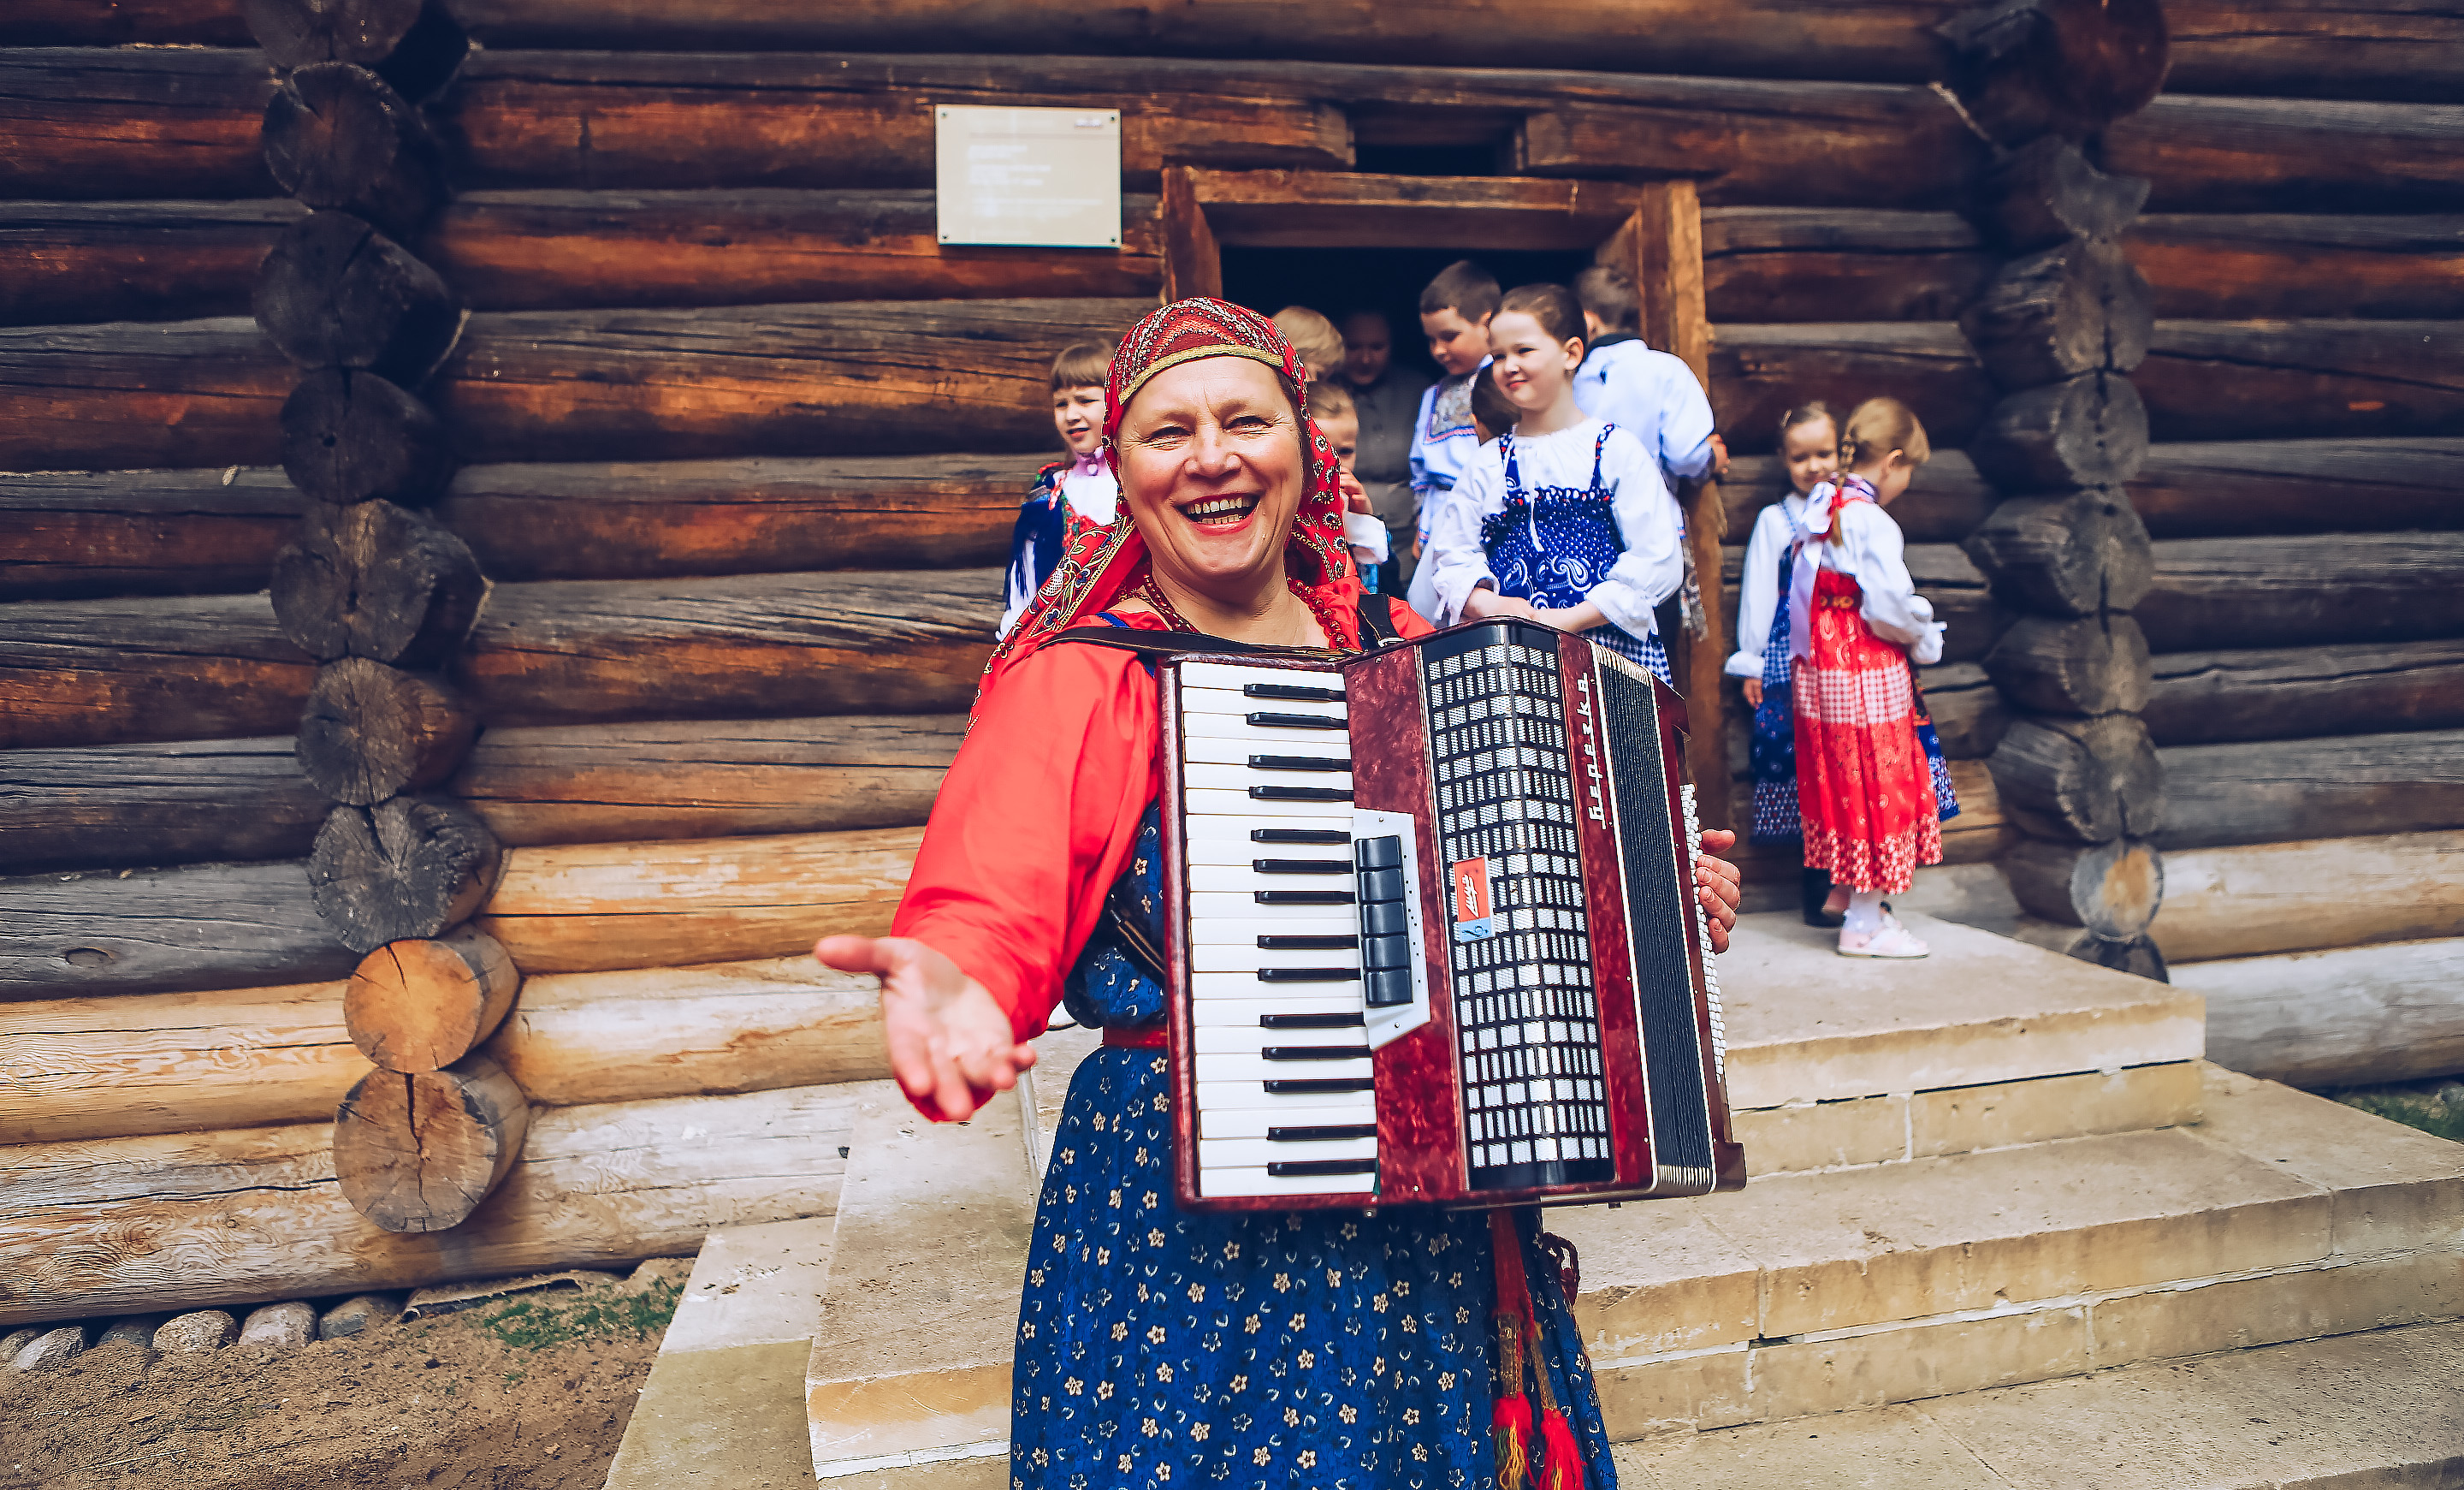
column 418, row 1152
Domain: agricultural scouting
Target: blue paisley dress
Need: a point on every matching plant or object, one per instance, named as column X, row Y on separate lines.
column 1324, row 1348
column 1551, row 545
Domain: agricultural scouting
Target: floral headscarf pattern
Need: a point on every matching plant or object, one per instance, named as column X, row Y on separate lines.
column 1103, row 564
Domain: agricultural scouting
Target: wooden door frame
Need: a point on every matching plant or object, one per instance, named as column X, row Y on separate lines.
column 1651, row 229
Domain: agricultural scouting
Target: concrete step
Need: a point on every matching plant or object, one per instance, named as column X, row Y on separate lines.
column 2280, row 1215
column 2368, row 1411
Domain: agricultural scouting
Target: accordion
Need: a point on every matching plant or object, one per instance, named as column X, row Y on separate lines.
column 1431, row 931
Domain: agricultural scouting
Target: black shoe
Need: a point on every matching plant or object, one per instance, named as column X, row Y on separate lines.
column 1817, row 890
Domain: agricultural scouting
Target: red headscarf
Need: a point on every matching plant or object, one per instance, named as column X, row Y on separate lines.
column 1103, row 564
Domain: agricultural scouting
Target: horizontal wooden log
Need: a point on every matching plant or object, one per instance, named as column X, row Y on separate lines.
column 1759, row 372
column 2256, row 155
column 117, row 23
column 677, row 120
column 120, row 396
column 163, row 930
column 238, row 1216
column 119, row 806
column 1962, row 599
column 2325, row 49
column 676, row 1032
column 92, row 1068
column 66, row 534
column 568, row 651
column 105, row 122
column 94, row 671
column 2199, row 698
column 1942, row 503
column 2351, row 1018
column 764, row 514
column 613, row 783
column 595, row 907
column 2279, row 791
column 2294, row 591
column 1968, row 714
column 2247, row 900
column 790, row 380
column 2228, row 267
column 550, row 249
column 1764, row 264
column 2208, row 380
column 2068, row 555
column 2112, row 889
column 80, row 261
column 2225, row 488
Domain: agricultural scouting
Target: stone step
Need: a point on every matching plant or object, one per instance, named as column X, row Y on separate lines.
column 2280, row 1215
column 2377, row 1411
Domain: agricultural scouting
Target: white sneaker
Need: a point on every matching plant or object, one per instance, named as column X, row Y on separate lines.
column 1889, row 940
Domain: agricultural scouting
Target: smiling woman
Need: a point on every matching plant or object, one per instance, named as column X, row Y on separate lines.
column 1154, row 1345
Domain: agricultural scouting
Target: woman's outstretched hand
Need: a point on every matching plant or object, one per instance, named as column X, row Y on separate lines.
column 1718, row 885
column 949, row 1042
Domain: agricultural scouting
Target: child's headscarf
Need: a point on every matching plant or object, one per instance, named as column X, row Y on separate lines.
column 1105, row 565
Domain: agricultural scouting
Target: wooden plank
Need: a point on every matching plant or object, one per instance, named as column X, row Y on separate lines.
column 2246, row 901
column 596, row 907
column 241, row 1216
column 2291, row 591
column 117, row 23
column 2257, row 155
column 2209, row 380
column 2206, row 698
column 682, row 1032
column 1757, row 38
column 66, row 534
column 1760, row 371
column 122, row 805
column 2221, row 488
column 96, row 671
column 122, row 395
column 2279, row 791
column 78, row 261
column 549, row 248
column 1323, row 209
column 92, row 1068
column 2234, row 267
column 1824, row 264
column 2322, row 49
column 575, row 651
column 854, row 377
column 1941, row 506
column 163, row 930
column 86, row 123
column 598, row 119
column 761, row 514
column 2353, row 1016
column 612, row 783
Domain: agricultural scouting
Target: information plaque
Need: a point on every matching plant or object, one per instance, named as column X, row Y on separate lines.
column 1049, row 178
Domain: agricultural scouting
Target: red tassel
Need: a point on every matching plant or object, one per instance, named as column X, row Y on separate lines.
column 1510, row 1428
column 1564, row 1469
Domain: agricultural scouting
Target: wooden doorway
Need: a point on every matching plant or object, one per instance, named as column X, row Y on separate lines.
column 1653, row 231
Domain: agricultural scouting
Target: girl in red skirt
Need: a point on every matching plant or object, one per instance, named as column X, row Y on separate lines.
column 1855, row 621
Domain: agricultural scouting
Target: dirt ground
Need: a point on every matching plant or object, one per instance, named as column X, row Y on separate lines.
column 528, row 1393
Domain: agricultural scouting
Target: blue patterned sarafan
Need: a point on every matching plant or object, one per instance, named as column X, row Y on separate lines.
column 1335, row 1349
column 1549, row 545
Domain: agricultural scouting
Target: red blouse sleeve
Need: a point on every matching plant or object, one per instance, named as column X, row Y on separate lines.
column 1033, row 823
column 1409, row 623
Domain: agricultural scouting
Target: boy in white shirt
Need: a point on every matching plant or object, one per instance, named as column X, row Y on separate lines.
column 1455, row 312
column 1650, row 394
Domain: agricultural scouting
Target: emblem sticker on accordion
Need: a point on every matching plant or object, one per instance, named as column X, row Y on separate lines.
column 1473, row 920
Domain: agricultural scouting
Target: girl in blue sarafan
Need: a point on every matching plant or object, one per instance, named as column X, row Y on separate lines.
column 1566, row 520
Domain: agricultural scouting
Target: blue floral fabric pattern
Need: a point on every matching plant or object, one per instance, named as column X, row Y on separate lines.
column 1770, row 751
column 1551, row 545
column 1323, row 1348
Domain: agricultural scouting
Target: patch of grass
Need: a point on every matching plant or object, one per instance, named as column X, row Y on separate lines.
column 514, row 1379
column 2417, row 1109
column 539, row 1323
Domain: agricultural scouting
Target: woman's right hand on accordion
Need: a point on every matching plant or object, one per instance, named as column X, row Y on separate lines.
column 951, row 1046
column 1718, row 885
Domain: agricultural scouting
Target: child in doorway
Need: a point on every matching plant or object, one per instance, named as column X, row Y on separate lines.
column 1388, row 398
column 1314, row 340
column 1809, row 441
column 1567, row 521
column 1455, row 312
column 1079, row 490
column 1865, row 791
column 1331, row 406
column 1650, row 394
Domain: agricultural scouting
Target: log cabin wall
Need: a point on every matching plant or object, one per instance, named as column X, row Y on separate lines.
column 737, row 445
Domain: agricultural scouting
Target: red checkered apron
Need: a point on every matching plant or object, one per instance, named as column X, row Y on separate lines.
column 1862, row 784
